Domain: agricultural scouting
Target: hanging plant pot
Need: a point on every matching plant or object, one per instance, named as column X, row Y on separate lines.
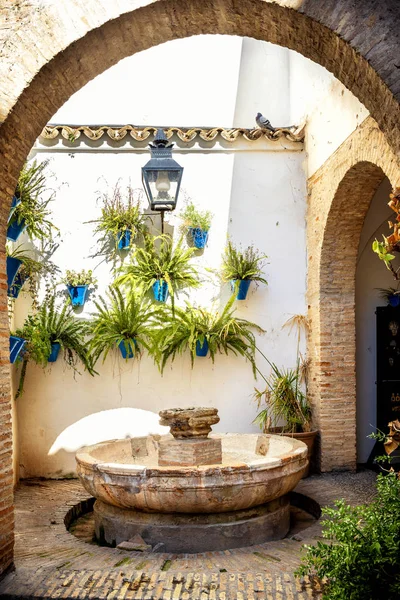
column 126, row 348
column 199, row 237
column 124, row 239
column 13, row 264
column 17, row 346
column 15, row 202
column 201, row 348
column 160, row 290
column 15, row 229
column 55, row 349
column 77, row 293
column 19, row 280
column 394, row 300
column 242, row 288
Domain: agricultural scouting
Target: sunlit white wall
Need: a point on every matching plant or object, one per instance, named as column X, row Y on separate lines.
column 257, row 192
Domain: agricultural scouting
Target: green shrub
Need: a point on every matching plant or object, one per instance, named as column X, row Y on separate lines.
column 362, row 558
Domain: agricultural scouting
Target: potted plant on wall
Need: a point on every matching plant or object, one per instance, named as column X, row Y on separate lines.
column 390, row 295
column 285, row 397
column 50, row 330
column 201, row 332
column 21, row 266
column 17, row 346
column 240, row 268
column 121, row 220
column 29, row 210
column 196, row 223
column 122, row 321
column 161, row 266
column 78, row 283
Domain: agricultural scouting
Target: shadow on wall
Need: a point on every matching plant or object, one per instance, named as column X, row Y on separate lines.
column 113, row 424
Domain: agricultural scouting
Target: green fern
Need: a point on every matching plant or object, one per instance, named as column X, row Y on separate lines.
column 120, row 318
column 50, row 325
column 224, row 333
column 160, row 259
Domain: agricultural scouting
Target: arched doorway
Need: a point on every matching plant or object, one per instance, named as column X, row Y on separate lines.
column 340, row 195
column 83, row 49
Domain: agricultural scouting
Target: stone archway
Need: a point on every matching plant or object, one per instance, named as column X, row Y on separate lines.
column 48, row 54
column 340, row 195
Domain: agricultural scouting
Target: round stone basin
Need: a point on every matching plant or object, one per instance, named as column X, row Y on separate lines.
column 255, row 469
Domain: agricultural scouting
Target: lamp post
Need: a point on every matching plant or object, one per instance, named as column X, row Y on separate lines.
column 161, row 176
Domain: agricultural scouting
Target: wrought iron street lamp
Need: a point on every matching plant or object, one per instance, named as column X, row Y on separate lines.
column 162, row 176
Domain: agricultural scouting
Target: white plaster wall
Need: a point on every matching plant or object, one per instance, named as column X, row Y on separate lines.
column 263, row 199
column 371, row 274
column 256, row 191
column 330, row 110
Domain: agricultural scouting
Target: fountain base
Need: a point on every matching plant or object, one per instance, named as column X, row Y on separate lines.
column 193, row 533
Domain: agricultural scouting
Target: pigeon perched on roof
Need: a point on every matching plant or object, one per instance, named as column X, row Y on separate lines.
column 263, row 123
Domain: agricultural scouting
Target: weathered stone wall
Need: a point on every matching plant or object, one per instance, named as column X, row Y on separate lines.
column 49, row 50
column 339, row 196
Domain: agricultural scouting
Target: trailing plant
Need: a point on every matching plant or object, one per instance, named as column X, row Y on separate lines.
column 33, row 270
column 285, row 393
column 75, row 278
column 33, row 209
column 224, row 333
column 361, row 557
column 51, row 325
column 160, row 259
column 125, row 318
column 120, row 211
column 191, row 216
column 243, row 264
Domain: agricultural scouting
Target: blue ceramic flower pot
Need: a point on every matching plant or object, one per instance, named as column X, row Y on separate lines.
column 15, row 229
column 13, row 264
column 160, row 290
column 242, row 288
column 124, row 239
column 126, row 349
column 15, row 202
column 199, row 237
column 55, row 349
column 17, row 346
column 394, row 300
column 201, row 348
column 77, row 293
column 19, row 280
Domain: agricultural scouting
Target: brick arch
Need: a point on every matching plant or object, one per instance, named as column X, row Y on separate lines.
column 340, row 195
column 50, row 54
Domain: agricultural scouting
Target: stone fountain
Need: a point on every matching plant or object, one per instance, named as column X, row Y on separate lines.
column 190, row 491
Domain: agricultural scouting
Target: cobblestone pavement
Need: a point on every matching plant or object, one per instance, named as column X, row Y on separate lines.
column 52, row 563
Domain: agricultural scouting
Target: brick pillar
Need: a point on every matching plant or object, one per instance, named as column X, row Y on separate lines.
column 340, row 193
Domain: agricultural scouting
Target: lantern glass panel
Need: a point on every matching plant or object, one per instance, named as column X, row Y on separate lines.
column 163, row 188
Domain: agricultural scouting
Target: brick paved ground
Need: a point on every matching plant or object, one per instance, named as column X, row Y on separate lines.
column 53, row 563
